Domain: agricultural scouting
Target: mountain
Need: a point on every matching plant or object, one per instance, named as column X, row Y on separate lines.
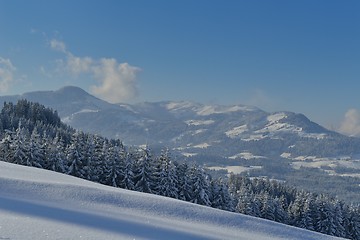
column 39, row 204
column 242, row 139
column 235, row 132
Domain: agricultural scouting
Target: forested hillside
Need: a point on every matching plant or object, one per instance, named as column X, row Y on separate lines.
column 33, row 135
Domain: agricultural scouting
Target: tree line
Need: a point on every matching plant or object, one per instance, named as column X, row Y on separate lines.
column 33, row 135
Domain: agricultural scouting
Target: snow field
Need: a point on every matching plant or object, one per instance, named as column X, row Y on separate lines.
column 39, row 204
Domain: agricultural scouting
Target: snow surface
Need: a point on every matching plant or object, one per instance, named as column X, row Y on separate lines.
column 246, row 155
column 214, row 109
column 202, row 145
column 68, row 119
column 236, row 131
column 199, row 122
column 39, row 204
column 236, row 169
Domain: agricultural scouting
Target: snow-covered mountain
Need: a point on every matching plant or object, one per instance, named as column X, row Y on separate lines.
column 39, row 204
column 234, row 138
column 234, row 132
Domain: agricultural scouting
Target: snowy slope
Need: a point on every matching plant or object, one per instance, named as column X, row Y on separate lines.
column 39, row 204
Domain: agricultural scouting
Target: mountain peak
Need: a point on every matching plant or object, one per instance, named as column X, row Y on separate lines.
column 73, row 90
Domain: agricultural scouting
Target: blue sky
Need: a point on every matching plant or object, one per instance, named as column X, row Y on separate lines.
column 301, row 56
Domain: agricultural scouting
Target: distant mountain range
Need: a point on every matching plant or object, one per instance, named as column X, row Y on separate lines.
column 233, row 132
column 238, row 138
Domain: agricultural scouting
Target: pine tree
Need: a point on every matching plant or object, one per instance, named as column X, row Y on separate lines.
column 245, row 203
column 267, row 207
column 339, row 219
column 75, row 156
column 56, row 155
column 184, row 182
column 220, row 196
column 200, row 183
column 143, row 172
column 20, row 146
column 297, row 209
column 36, row 153
column 127, row 181
column 325, row 216
column 6, row 153
column 167, row 183
column 353, row 229
column 308, row 214
column 97, row 164
column 114, row 169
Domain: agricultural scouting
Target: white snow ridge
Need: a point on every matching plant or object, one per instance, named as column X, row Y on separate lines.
column 38, row 204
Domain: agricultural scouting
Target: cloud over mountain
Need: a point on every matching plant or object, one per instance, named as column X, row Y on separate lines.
column 116, row 81
column 7, row 70
column 351, row 123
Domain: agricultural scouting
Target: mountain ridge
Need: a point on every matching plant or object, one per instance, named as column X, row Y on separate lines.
column 238, row 138
column 179, row 124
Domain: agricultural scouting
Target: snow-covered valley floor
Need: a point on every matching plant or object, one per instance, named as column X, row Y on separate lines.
column 38, row 204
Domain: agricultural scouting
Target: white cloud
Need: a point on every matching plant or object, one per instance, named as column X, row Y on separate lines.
column 116, row 81
column 351, row 124
column 7, row 70
column 78, row 65
column 58, row 45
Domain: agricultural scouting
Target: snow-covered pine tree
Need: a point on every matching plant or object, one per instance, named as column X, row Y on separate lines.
column 6, row 143
column 143, row 171
column 296, row 209
column 267, row 207
column 56, row 155
column 325, row 216
column 114, row 167
column 244, row 202
column 200, row 184
column 167, row 183
column 75, row 156
column 339, row 219
column 20, row 147
column 306, row 220
column 36, row 153
column 353, row 229
column 184, row 182
column 220, row 196
column 97, row 164
column 127, row 181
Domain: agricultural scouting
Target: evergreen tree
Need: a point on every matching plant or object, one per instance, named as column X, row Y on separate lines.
column 20, row 147
column 267, row 207
column 75, row 156
column 220, row 196
column 245, row 204
column 36, row 152
column 308, row 214
column 167, row 184
column 184, row 182
column 114, row 169
column 127, row 181
column 56, row 155
column 353, row 229
column 97, row 164
column 325, row 216
column 6, row 143
column 200, row 190
column 339, row 219
column 143, row 172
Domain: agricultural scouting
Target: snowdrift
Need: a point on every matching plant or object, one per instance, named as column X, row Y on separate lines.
column 40, row 204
